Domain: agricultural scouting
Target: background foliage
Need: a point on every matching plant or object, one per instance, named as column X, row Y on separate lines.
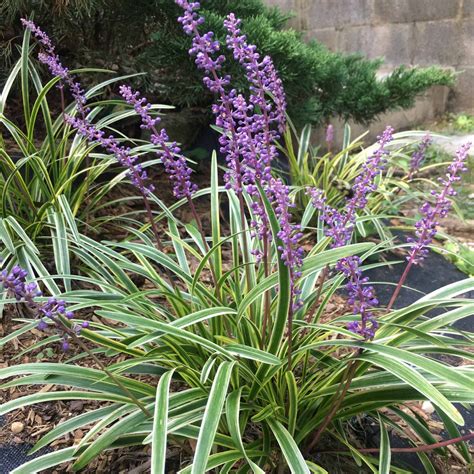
column 319, row 84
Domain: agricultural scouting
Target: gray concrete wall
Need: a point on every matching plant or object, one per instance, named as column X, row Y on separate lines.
column 412, row 32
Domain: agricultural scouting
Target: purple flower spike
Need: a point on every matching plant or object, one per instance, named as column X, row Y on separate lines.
column 249, row 129
column 175, row 164
column 49, row 58
column 260, row 73
column 14, row 283
column 419, row 155
column 290, row 252
column 340, row 227
column 136, row 173
column 361, row 297
column 426, row 227
column 365, row 182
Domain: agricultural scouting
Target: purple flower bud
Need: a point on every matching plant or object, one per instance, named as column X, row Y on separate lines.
column 42, row 325
column 317, row 197
column 419, row 155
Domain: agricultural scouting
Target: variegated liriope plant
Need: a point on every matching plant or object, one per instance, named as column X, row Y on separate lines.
column 228, row 330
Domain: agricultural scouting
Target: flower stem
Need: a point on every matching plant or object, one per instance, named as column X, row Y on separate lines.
column 266, row 301
column 416, row 449
column 78, row 340
column 203, row 236
column 156, row 234
column 290, row 335
column 340, row 394
column 400, row 284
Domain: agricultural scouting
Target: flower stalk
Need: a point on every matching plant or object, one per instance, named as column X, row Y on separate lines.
column 427, row 227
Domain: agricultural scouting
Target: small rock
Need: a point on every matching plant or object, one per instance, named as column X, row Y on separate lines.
column 17, row 427
column 427, row 407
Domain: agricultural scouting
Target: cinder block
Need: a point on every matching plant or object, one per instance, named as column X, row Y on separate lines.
column 406, row 11
column 338, row 13
column 463, row 97
column 292, row 7
column 283, row 4
column 393, row 42
column 468, row 8
column 438, row 42
column 327, row 36
column 467, row 31
column 421, row 112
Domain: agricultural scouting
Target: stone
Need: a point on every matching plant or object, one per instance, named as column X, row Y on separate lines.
column 17, row 427
column 338, row 13
column 437, row 42
column 427, row 407
column 292, row 7
column 407, row 11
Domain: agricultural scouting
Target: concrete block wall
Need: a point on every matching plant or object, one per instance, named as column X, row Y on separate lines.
column 412, row 32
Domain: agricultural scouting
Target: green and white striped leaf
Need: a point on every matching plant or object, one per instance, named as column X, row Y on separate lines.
column 211, row 417
column 160, row 422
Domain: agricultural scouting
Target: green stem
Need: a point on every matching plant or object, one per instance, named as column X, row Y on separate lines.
column 203, row 237
column 156, row 234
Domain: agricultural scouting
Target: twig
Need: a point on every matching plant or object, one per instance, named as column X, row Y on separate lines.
column 417, row 449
